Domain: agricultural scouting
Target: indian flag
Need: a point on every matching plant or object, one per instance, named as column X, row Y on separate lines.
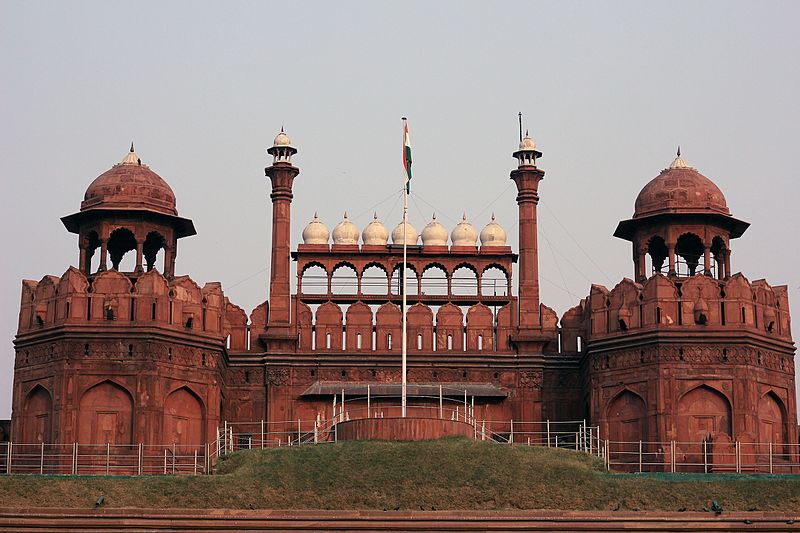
column 407, row 154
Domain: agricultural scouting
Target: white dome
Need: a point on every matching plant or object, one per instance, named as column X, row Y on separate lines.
column 315, row 232
column 345, row 232
column 493, row 234
column 375, row 234
column 282, row 139
column 434, row 234
column 527, row 143
column 464, row 234
column 411, row 234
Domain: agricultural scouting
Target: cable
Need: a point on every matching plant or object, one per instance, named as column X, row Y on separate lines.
column 608, row 278
column 490, row 204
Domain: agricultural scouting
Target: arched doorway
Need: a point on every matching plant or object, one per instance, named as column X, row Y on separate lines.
column 106, row 415
column 626, row 420
column 37, row 417
column 702, row 412
column 772, row 422
column 183, row 419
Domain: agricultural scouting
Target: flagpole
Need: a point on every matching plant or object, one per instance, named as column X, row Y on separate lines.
column 404, row 382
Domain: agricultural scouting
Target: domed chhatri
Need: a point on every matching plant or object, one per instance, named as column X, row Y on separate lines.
column 282, row 139
column 434, row 234
column 130, row 184
column 411, row 234
column 493, row 234
column 282, row 149
column 464, row 234
column 680, row 189
column 375, row 234
column 345, row 232
column 316, row 232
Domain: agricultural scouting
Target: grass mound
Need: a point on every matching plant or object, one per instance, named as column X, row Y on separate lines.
column 434, row 475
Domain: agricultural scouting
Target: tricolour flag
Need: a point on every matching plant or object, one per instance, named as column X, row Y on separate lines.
column 407, row 155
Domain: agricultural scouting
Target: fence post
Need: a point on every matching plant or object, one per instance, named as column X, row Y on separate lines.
column 583, row 432
column 705, row 457
column 548, row 432
column 608, row 454
column 440, row 402
column 672, row 455
column 368, row 403
column 577, row 439
column 165, row 461
column 174, row 457
column 511, row 436
column 262, row 434
column 195, row 461
column 316, row 437
column 483, row 429
column 74, row 458
column 736, row 451
column 8, row 458
column 225, row 442
column 335, row 435
column 770, row 457
column 41, row 460
column 640, row 456
column 207, row 450
column 141, row 458
column 465, row 405
column 108, row 457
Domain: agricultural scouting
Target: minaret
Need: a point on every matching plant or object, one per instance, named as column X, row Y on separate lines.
column 282, row 174
column 527, row 178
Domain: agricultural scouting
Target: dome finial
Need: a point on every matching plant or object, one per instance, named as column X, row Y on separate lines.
column 678, row 162
column 375, row 215
column 345, row 214
column 679, row 150
column 131, row 146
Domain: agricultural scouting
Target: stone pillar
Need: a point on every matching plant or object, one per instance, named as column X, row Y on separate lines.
column 103, row 255
column 727, row 264
column 139, row 255
column 83, row 259
column 282, row 175
column 169, row 261
column 671, row 256
column 527, row 178
column 707, row 260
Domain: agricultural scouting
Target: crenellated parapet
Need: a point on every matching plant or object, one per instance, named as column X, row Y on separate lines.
column 112, row 299
column 698, row 304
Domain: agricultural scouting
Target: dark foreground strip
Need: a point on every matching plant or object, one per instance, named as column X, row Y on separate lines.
column 181, row 520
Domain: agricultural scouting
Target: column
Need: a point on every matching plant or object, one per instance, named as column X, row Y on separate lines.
column 103, row 255
column 707, row 260
column 671, row 256
column 527, row 178
column 282, row 176
column 139, row 255
column 727, row 264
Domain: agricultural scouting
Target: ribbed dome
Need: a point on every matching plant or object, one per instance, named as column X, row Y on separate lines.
column 464, row 234
column 411, row 234
column 493, row 234
column 434, row 234
column 345, row 232
column 527, row 143
column 375, row 234
column 316, row 232
column 282, row 139
column 680, row 189
column 130, row 185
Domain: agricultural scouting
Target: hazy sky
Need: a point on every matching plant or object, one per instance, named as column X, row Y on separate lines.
column 608, row 90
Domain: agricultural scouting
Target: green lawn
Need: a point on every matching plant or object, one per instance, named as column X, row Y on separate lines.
column 444, row 474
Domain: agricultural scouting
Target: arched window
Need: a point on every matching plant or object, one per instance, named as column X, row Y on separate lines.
column 314, row 280
column 718, row 251
column 434, row 281
column 657, row 251
column 412, row 283
column 494, row 282
column 344, row 280
column 464, row 282
column 374, row 280
column 688, row 251
column 92, row 258
column 120, row 243
column 153, row 244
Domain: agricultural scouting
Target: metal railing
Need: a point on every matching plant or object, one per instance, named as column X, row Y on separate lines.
column 104, row 459
column 702, row 457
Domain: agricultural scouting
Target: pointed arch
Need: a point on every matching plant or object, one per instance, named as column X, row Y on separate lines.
column 772, row 418
column 703, row 412
column 184, row 418
column 105, row 414
column 37, row 416
column 626, row 417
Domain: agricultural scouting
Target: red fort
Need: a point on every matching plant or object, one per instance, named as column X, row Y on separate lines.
column 685, row 350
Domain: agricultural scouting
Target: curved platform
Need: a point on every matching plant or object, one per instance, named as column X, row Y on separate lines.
column 403, row 429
